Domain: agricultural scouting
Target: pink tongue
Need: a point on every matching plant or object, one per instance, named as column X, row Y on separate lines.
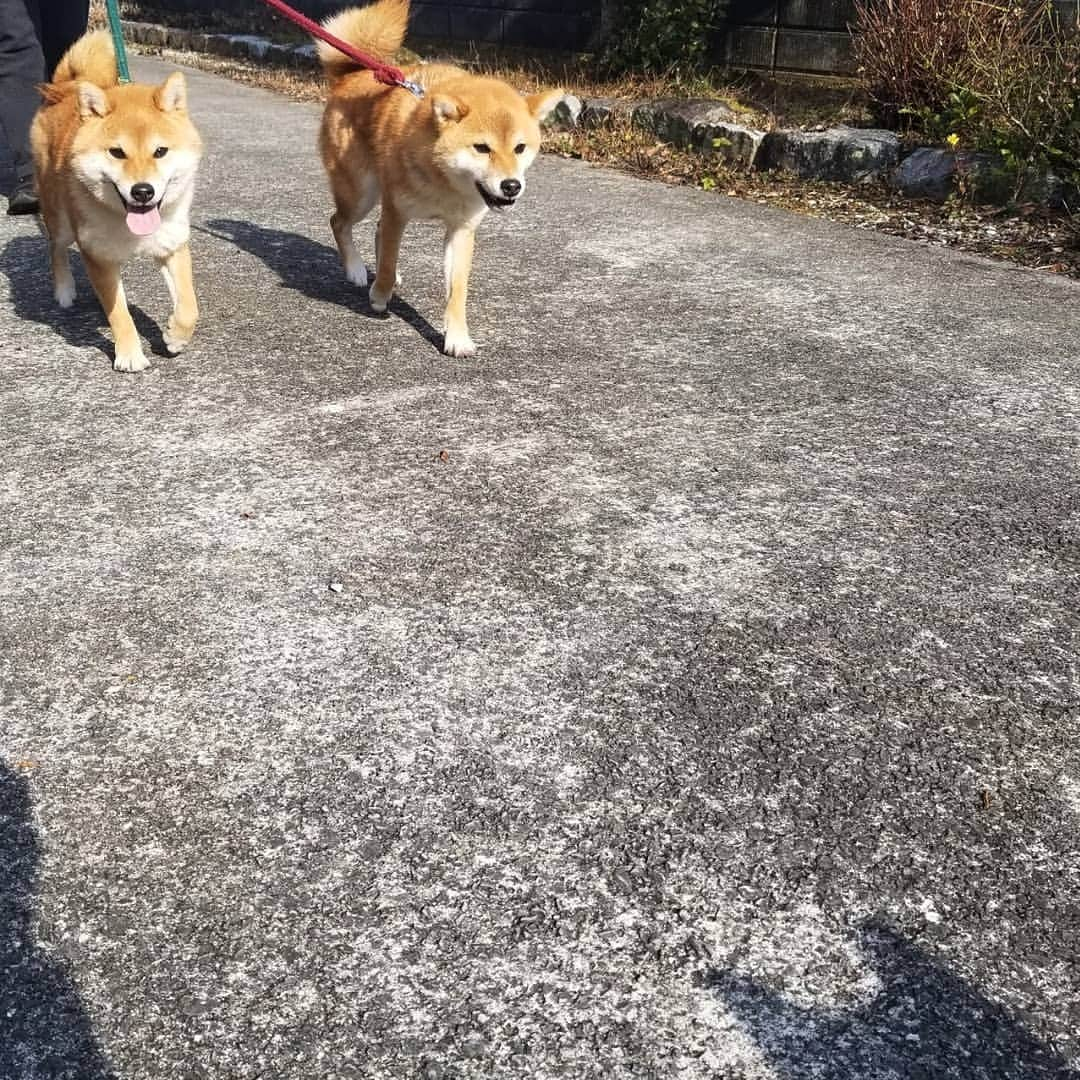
column 144, row 224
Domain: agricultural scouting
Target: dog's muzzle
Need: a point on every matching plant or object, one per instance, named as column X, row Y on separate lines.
column 510, row 189
column 142, row 198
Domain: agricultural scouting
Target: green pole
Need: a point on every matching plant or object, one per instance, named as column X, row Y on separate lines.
column 113, row 8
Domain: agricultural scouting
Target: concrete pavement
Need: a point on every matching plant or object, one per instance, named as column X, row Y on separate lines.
column 708, row 709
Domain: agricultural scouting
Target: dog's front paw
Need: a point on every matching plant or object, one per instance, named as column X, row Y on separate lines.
column 65, row 293
column 130, row 361
column 379, row 299
column 458, row 344
column 177, row 338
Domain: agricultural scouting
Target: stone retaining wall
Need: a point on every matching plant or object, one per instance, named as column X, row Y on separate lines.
column 844, row 154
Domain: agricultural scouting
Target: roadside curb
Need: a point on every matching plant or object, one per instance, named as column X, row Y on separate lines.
column 237, row 46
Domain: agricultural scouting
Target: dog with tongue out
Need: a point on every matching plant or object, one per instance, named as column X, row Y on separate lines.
column 115, row 169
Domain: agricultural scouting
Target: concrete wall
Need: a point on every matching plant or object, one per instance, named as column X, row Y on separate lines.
column 809, row 36
column 545, row 24
column 571, row 25
column 788, row 35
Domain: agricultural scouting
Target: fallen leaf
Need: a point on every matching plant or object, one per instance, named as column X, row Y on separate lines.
column 26, row 764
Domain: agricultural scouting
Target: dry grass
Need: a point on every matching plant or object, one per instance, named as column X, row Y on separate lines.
column 759, row 101
column 302, row 84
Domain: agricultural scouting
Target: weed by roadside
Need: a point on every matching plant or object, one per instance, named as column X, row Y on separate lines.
column 999, row 76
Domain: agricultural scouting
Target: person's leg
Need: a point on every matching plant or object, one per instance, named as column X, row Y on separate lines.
column 63, row 22
column 22, row 67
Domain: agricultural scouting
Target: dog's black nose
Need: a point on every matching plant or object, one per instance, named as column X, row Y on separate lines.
column 143, row 193
column 511, row 188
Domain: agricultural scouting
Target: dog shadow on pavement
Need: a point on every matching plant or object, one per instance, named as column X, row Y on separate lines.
column 24, row 261
column 44, row 1029
column 924, row 1024
column 313, row 269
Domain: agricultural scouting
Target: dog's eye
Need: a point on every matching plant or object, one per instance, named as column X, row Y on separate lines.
column 117, row 152
column 482, row 148
column 161, row 151
column 520, row 148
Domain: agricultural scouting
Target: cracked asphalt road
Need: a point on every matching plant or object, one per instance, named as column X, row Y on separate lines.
column 708, row 709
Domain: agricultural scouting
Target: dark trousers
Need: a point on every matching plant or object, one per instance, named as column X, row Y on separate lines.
column 34, row 35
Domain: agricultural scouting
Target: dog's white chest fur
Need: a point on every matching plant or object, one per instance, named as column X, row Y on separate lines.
column 105, row 236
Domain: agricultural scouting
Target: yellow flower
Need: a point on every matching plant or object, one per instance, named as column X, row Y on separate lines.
column 953, row 140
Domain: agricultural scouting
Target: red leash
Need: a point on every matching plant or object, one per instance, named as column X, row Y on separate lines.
column 384, row 73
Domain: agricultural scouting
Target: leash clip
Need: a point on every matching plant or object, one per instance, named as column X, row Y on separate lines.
column 414, row 88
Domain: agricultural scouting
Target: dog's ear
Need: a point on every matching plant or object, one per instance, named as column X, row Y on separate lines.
column 541, row 104
column 92, row 101
column 171, row 95
column 448, row 109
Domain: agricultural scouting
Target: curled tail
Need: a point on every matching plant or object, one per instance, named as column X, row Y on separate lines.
column 91, row 59
column 378, row 29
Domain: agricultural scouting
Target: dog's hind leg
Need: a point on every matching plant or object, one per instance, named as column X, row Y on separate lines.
column 378, row 233
column 176, row 269
column 391, row 228
column 351, row 211
column 61, row 237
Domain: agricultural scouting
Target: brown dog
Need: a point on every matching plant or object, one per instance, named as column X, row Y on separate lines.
column 115, row 168
column 451, row 156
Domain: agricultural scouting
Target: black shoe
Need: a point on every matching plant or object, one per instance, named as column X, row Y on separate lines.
column 23, row 200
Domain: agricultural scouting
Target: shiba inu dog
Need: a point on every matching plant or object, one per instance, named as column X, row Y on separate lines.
column 115, row 170
column 450, row 156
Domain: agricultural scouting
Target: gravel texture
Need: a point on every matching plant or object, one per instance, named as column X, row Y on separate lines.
column 700, row 699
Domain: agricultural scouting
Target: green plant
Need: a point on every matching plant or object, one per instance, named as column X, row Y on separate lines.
column 1024, row 70
column 958, row 115
column 991, row 75
column 663, row 36
column 905, row 51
